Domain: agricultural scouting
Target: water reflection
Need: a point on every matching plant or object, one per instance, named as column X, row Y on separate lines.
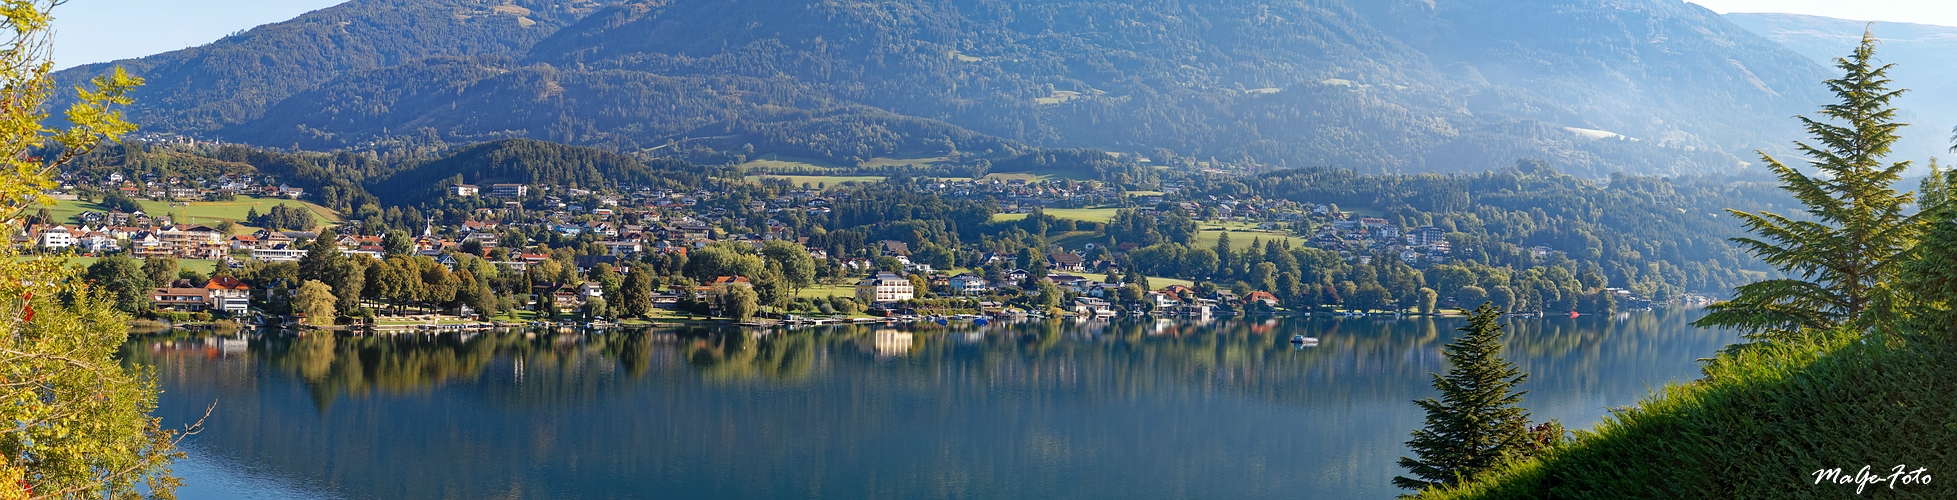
column 1075, row 409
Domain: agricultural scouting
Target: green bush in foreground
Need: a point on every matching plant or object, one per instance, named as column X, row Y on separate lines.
column 1761, row 424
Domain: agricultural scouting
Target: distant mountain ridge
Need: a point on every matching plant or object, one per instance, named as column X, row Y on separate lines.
column 201, row 89
column 1926, row 63
column 1594, row 86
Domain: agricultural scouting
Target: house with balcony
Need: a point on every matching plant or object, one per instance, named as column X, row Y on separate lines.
column 227, row 294
column 180, row 299
column 967, row 284
column 885, row 288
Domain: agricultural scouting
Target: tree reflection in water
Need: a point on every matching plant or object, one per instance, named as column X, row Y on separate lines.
column 1022, row 409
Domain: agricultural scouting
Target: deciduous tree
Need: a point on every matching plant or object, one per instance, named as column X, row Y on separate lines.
column 737, row 302
column 160, row 270
column 636, row 295
column 79, row 421
column 124, row 279
column 315, row 300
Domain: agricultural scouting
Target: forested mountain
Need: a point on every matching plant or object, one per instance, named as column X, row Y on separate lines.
column 1926, row 63
column 1642, row 232
column 1654, row 86
column 539, row 164
column 234, row 80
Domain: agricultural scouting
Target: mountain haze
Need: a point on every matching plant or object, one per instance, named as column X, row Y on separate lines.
column 1652, row 86
column 1926, row 63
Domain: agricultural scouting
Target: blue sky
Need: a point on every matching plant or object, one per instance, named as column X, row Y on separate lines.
column 89, row 31
column 1942, row 12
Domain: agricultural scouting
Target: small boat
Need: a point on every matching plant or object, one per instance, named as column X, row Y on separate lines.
column 1303, row 340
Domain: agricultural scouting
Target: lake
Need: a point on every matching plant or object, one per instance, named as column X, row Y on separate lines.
column 1123, row 408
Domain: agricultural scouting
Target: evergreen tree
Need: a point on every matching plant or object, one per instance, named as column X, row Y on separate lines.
column 1475, row 426
column 1226, row 260
column 397, row 242
column 1931, row 276
column 1843, row 258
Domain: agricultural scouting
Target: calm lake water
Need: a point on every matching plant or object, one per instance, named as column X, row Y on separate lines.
column 1107, row 409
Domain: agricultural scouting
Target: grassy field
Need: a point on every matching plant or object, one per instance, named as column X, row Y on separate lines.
column 1028, row 177
column 904, row 162
column 1079, row 214
column 822, row 291
column 1161, row 283
column 1241, row 234
column 775, row 161
column 818, row 180
column 199, row 212
column 1075, row 239
column 200, row 265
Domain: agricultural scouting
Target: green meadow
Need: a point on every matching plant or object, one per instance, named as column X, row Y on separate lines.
column 209, row 213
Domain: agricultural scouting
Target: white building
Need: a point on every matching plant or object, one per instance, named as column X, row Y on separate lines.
column 98, row 242
column 966, row 284
column 885, row 288
column 508, row 190
column 278, row 253
column 57, row 237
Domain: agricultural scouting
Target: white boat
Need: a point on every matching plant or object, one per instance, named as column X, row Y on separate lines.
column 1303, row 340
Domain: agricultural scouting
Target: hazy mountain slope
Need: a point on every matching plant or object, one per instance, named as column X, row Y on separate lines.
column 1664, row 71
column 1925, row 57
column 1378, row 86
column 1286, row 82
column 236, row 79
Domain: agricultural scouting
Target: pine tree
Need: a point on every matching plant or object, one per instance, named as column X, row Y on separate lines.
column 1843, row 258
column 1475, row 426
column 1931, row 276
column 1226, row 260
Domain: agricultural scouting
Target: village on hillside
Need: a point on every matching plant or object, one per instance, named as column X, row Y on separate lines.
column 568, row 248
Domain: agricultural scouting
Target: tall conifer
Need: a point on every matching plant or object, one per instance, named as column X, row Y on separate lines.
column 1475, row 426
column 1931, row 276
column 1844, row 257
column 1226, row 260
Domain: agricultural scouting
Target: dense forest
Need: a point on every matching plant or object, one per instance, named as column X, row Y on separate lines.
column 1656, row 236
column 238, row 78
column 539, row 164
column 1400, row 86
